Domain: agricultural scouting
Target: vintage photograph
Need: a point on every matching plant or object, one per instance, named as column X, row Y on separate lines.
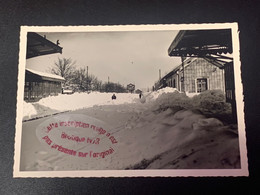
column 141, row 100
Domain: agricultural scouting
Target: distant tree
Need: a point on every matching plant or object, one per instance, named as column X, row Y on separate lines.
column 64, row 67
column 113, row 87
column 79, row 77
column 95, row 83
column 86, row 81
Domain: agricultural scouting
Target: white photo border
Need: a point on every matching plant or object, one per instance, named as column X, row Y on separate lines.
column 243, row 171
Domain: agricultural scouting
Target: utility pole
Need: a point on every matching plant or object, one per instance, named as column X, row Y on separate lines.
column 87, row 78
column 182, row 61
column 159, row 74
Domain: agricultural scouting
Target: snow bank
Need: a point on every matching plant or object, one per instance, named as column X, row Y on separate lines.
column 211, row 101
column 155, row 94
column 28, row 110
column 181, row 140
column 76, row 101
column 64, row 102
column 208, row 101
column 169, row 100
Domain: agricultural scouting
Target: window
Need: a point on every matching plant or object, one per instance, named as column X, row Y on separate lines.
column 202, row 85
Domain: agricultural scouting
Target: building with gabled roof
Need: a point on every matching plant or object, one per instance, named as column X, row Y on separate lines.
column 130, row 87
column 39, row 84
column 194, row 75
column 214, row 45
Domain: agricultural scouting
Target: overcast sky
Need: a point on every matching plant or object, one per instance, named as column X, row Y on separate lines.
column 124, row 57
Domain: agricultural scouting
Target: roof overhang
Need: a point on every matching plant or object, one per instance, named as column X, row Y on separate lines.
column 218, row 60
column 43, row 76
column 201, row 43
column 38, row 46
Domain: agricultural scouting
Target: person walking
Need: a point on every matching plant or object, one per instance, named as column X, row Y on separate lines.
column 113, row 97
column 140, row 95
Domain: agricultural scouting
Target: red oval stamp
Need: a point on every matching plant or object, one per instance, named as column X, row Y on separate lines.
column 77, row 135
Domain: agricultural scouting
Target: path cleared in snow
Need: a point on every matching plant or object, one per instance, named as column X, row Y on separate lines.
column 70, row 102
column 149, row 136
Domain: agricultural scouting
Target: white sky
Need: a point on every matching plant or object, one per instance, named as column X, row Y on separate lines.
column 126, row 57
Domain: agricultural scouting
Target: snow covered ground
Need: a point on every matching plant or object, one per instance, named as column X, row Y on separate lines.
column 66, row 102
column 162, row 130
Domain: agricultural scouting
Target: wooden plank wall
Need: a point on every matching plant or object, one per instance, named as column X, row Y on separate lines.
column 200, row 68
column 33, row 91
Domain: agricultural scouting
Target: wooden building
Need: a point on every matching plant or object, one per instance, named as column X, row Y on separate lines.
column 195, row 75
column 213, row 45
column 130, row 87
column 138, row 91
column 38, row 85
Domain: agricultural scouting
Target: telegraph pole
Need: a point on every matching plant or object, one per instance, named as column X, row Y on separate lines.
column 87, row 78
column 182, row 61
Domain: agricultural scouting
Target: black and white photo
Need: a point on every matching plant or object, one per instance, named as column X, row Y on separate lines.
column 140, row 100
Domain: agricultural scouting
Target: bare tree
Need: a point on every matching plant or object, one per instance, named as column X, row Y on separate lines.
column 65, row 68
column 80, row 78
column 86, row 81
column 77, row 78
column 96, row 84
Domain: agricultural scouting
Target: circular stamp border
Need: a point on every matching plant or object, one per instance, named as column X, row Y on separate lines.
column 55, row 133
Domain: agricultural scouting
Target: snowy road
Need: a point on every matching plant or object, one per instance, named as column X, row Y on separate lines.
column 146, row 139
column 36, row 156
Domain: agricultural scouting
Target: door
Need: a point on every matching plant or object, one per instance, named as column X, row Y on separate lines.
column 202, row 85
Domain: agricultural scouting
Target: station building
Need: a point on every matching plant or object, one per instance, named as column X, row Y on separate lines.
column 194, row 75
column 214, row 46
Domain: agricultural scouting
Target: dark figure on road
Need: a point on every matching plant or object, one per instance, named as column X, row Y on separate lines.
column 113, row 97
column 140, row 95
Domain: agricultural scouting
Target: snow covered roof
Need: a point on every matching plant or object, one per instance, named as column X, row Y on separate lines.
column 46, row 76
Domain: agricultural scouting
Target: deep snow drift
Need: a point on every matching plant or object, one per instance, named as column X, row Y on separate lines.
column 64, row 102
column 163, row 130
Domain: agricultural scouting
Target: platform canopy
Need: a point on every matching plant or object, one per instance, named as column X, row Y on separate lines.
column 202, row 43
column 38, row 46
